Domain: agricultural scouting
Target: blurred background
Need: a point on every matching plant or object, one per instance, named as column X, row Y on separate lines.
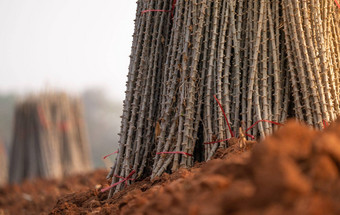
column 81, row 47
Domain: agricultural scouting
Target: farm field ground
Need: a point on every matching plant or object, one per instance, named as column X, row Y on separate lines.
column 294, row 171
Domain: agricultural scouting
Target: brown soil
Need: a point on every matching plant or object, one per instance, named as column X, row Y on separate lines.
column 40, row 196
column 294, row 171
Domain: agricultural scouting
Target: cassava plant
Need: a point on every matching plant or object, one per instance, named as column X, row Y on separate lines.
column 49, row 138
column 263, row 60
column 3, row 165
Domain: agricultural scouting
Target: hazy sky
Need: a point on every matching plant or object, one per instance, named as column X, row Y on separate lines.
column 70, row 44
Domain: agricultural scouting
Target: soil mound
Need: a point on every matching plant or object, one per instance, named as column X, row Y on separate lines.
column 40, row 196
column 294, row 171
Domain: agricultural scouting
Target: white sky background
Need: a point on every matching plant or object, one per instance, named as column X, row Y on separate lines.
column 68, row 44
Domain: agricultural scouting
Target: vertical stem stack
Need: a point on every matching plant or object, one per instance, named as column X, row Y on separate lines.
column 264, row 60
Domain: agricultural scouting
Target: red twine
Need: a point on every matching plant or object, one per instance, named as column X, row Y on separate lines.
column 119, row 182
column 110, row 154
column 64, row 126
column 167, row 11
column 226, row 119
column 337, row 3
column 251, row 136
column 146, row 11
column 173, row 8
column 325, row 123
column 42, row 118
column 248, row 135
column 263, row 120
column 183, row 153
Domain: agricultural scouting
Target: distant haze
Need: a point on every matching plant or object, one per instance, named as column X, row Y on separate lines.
column 68, row 44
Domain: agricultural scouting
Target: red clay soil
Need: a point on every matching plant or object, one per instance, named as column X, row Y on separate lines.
column 40, row 196
column 294, row 171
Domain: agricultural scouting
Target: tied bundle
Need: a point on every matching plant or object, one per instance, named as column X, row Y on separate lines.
column 265, row 61
column 49, row 138
column 3, row 165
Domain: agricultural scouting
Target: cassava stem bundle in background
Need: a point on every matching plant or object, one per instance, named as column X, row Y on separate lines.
column 3, row 165
column 49, row 138
column 264, row 60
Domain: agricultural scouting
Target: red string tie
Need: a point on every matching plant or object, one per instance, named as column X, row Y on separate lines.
column 64, row 126
column 226, row 119
column 173, row 8
column 146, row 11
column 110, row 154
column 337, row 3
column 128, row 178
column 42, row 117
column 183, row 153
column 166, row 11
column 325, row 123
column 263, row 120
